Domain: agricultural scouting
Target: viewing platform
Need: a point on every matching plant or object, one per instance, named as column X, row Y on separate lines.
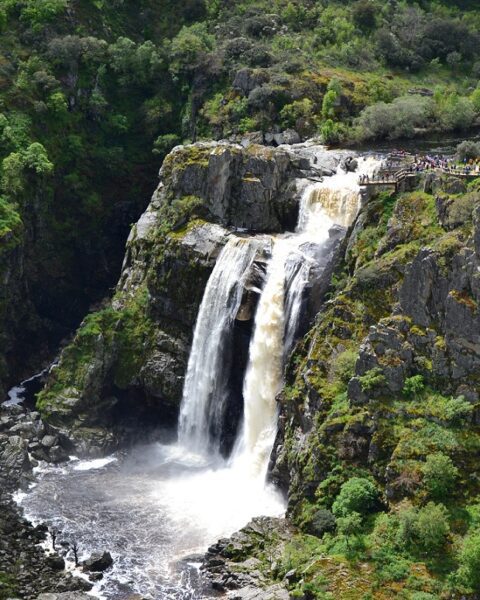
column 401, row 168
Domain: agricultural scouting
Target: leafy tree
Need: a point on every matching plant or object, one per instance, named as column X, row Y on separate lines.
column 439, row 475
column 36, row 13
column 321, row 522
column 456, row 112
column 431, row 527
column 164, row 143
column 475, row 99
column 357, row 495
column 349, row 525
column 35, row 158
column 467, row 150
column 395, row 120
column 188, row 46
column 331, row 98
column 364, row 14
column 468, row 572
column 298, row 114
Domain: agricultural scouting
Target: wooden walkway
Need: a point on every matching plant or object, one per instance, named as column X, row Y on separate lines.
column 396, row 179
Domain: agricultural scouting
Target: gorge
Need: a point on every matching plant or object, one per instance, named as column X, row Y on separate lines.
column 278, row 337
column 181, row 496
column 262, row 381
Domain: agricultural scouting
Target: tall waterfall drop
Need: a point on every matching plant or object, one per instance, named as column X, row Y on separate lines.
column 206, row 383
column 168, row 501
column 334, row 201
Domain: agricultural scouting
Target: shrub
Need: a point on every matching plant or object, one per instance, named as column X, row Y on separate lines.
column 332, row 132
column 468, row 572
column 457, row 410
column 412, row 529
column 321, row 522
column 357, row 495
column 188, row 46
column 350, row 524
column 413, row 386
column 344, row 365
column 164, row 143
column 395, row 120
column 237, row 47
column 439, row 475
column 456, row 113
column 372, row 379
column 298, row 112
column 467, row 150
column 364, row 14
column 431, row 527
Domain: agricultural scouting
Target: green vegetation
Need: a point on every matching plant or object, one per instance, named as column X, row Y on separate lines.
column 94, row 93
column 385, row 489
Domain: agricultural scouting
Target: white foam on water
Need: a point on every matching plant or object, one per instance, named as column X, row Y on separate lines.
column 96, row 463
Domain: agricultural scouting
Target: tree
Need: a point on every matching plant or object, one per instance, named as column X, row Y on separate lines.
column 469, row 562
column 364, row 14
column 431, row 527
column 456, row 112
column 475, row 99
column 349, row 526
column 331, row 98
column 188, row 46
column 35, row 158
column 467, row 150
column 454, row 59
column 38, row 13
column 439, row 475
column 321, row 522
column 357, row 495
column 164, row 143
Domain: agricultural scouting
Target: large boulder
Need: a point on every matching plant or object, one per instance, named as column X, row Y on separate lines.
column 98, row 561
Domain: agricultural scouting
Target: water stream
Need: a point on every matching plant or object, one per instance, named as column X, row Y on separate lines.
column 163, row 503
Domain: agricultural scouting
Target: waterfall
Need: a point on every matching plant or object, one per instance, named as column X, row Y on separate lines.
column 205, row 390
column 294, row 256
column 333, row 201
column 263, row 379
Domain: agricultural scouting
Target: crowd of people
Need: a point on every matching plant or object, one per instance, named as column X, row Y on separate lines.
column 401, row 162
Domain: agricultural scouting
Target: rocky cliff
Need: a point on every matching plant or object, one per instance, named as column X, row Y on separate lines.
column 378, row 429
column 127, row 361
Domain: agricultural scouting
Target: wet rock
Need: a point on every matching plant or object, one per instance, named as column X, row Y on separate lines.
column 66, row 596
column 57, row 454
column 290, row 136
column 57, row 563
column 98, row 562
column 349, row 164
column 15, row 454
column 255, row 137
column 49, row 440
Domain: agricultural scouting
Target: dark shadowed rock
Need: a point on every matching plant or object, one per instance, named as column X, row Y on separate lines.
column 98, row 562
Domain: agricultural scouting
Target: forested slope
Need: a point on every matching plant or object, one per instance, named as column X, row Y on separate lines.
column 94, row 93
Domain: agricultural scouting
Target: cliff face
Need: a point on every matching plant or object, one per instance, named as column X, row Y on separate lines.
column 383, row 386
column 24, row 334
column 127, row 362
column 404, row 306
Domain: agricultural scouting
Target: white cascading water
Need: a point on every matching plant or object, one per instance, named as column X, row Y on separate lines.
column 167, row 501
column 336, row 200
column 206, row 387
